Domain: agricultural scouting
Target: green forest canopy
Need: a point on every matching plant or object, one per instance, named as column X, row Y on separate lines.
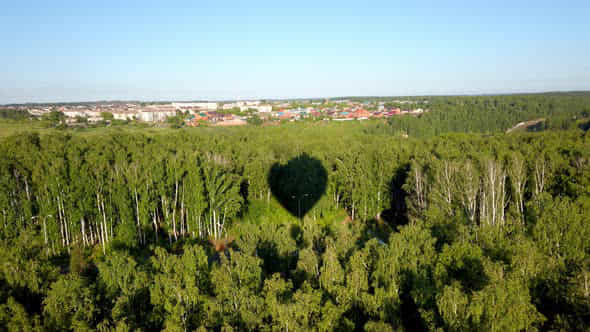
column 121, row 228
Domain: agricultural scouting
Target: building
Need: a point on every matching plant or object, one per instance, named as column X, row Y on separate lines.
column 246, row 105
column 37, row 112
column 124, row 115
column 360, row 114
column 215, row 116
column 74, row 113
column 196, row 120
column 229, row 106
column 232, row 122
column 199, row 106
column 264, row 108
column 156, row 113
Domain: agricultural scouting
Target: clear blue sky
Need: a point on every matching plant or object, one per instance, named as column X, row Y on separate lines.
column 153, row 50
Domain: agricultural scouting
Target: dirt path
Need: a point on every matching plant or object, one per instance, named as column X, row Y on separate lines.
column 524, row 125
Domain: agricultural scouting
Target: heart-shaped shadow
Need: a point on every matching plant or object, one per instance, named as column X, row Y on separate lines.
column 299, row 184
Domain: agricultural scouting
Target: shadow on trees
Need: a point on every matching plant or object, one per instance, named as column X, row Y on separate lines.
column 410, row 312
column 584, row 125
column 244, row 192
column 539, row 126
column 551, row 299
column 275, row 262
column 471, row 274
column 397, row 214
column 299, row 184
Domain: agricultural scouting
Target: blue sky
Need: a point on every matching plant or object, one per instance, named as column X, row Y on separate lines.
column 155, row 50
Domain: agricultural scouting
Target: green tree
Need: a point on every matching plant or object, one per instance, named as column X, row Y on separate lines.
column 70, row 304
column 179, row 288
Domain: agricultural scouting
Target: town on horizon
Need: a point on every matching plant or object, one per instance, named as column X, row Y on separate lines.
column 233, row 113
column 285, row 99
column 229, row 113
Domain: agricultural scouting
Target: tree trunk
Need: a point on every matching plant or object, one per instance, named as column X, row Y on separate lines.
column 174, row 210
column 137, row 215
column 84, row 242
column 155, row 225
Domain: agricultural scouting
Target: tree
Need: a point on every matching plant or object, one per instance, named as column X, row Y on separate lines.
column 237, row 283
column 107, row 116
column 518, row 179
column 463, row 231
column 223, row 192
column 254, row 120
column 81, row 119
column 70, row 304
column 126, row 286
column 493, row 194
column 55, row 117
column 178, row 287
column 14, row 317
column 504, row 306
column 176, row 121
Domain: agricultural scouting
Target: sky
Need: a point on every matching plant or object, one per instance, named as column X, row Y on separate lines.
column 53, row 51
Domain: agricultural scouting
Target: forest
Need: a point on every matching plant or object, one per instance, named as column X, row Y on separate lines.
column 316, row 226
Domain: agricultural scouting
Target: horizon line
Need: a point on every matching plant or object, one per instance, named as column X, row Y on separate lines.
column 96, row 101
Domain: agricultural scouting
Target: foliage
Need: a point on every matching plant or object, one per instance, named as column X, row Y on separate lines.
column 112, row 228
column 14, row 114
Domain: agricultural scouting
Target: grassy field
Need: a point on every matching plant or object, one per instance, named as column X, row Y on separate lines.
column 12, row 127
column 262, row 212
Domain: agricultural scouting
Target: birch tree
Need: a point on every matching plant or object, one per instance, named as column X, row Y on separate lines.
column 518, row 179
column 493, row 195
